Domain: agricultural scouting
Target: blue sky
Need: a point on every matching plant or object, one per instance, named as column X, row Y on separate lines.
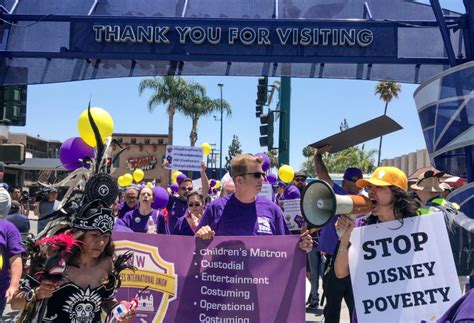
column 317, row 108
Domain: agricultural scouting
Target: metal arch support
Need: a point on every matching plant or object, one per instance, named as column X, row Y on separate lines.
column 438, row 12
column 367, row 12
column 93, row 7
column 469, row 31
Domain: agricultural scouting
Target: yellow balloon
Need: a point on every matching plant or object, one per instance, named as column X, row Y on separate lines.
column 207, row 148
column 127, row 179
column 218, row 184
column 149, row 184
column 175, row 175
column 286, row 173
column 104, row 123
column 138, row 175
column 120, row 181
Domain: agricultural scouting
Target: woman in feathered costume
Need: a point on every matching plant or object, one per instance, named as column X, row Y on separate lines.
column 73, row 275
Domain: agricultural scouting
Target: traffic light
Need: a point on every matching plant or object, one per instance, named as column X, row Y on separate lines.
column 262, row 91
column 266, row 130
column 258, row 111
column 13, row 105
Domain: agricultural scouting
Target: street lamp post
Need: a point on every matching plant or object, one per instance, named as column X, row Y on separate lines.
column 220, row 155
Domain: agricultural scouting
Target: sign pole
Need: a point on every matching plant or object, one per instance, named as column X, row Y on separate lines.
column 284, row 136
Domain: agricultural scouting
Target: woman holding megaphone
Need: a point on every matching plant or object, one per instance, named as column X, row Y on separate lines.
column 387, row 191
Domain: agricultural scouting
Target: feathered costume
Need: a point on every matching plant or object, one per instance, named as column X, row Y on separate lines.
column 85, row 207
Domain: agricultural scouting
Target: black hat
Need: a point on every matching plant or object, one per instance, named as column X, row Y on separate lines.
column 301, row 174
column 94, row 216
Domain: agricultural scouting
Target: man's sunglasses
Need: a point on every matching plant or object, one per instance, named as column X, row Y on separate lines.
column 186, row 188
column 300, row 179
column 194, row 205
column 256, row 174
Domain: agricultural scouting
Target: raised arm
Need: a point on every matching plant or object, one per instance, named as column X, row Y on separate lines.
column 319, row 166
column 204, row 181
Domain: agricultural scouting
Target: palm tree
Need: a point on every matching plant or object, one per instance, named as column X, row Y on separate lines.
column 198, row 104
column 387, row 90
column 169, row 90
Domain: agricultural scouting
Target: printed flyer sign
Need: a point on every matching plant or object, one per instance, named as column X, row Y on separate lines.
column 184, row 158
column 403, row 272
column 239, row 279
column 292, row 212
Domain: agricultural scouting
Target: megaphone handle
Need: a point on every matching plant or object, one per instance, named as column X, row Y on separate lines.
column 341, row 231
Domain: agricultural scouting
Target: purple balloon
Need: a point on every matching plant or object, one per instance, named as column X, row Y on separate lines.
column 161, row 197
column 271, row 178
column 174, row 188
column 266, row 161
column 215, row 191
column 72, row 150
column 180, row 178
column 212, row 183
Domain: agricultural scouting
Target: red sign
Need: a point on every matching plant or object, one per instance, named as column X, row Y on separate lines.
column 145, row 163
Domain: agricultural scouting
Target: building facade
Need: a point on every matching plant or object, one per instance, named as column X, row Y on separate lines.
column 41, row 163
column 146, row 151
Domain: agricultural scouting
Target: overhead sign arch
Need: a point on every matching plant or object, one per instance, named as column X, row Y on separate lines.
column 399, row 40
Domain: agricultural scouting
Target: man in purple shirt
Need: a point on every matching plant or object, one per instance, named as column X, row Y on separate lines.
column 10, row 254
column 244, row 213
column 335, row 289
column 131, row 201
column 178, row 205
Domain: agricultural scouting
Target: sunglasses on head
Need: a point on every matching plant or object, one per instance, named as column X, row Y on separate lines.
column 300, row 179
column 255, row 174
column 194, row 204
column 186, row 188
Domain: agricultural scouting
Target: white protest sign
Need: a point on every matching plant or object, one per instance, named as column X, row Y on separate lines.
column 184, row 158
column 403, row 273
column 267, row 191
column 292, row 214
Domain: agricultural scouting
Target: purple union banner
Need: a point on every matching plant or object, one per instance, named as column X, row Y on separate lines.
column 228, row 279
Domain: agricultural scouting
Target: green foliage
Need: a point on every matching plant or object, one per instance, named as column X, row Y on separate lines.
column 235, row 149
column 273, row 155
column 308, row 151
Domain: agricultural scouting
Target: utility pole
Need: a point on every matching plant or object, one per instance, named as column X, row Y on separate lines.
column 222, row 119
column 284, row 137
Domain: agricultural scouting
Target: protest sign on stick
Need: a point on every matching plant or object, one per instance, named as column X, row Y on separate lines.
column 403, row 271
column 292, row 213
column 184, row 158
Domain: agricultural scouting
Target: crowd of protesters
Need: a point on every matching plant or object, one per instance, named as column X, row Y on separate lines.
column 236, row 210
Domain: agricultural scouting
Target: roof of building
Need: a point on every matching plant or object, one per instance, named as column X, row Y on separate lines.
column 39, row 164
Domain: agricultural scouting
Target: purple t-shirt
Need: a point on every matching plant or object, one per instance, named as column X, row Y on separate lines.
column 176, row 209
column 124, row 209
column 139, row 222
column 328, row 238
column 228, row 216
column 291, row 193
column 182, row 227
column 10, row 245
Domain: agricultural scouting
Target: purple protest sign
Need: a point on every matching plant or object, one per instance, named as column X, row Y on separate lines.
column 241, row 279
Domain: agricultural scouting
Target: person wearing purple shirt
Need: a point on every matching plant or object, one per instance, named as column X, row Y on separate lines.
column 335, row 290
column 11, row 266
column 177, row 205
column 244, row 213
column 137, row 220
column 130, row 203
column 188, row 223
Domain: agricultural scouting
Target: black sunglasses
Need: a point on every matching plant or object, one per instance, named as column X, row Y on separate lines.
column 186, row 188
column 300, row 179
column 255, row 174
column 194, row 205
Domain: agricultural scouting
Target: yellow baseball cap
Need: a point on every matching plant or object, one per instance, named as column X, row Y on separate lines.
column 386, row 176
